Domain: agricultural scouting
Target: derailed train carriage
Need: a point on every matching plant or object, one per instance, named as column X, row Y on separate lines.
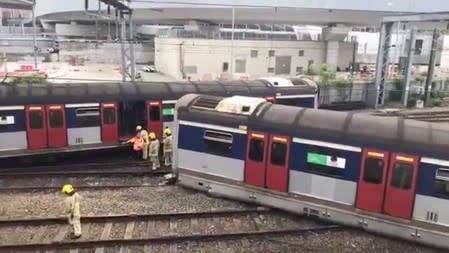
column 384, row 175
column 61, row 118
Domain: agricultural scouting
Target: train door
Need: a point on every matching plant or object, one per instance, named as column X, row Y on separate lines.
column 109, row 124
column 256, row 159
column 56, row 127
column 36, row 126
column 277, row 163
column 154, row 109
column 387, row 183
column 400, row 191
column 372, row 180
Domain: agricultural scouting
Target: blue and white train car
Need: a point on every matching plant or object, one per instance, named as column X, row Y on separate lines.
column 385, row 175
column 61, row 118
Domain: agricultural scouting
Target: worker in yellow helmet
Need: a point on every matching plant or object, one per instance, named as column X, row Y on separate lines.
column 73, row 209
column 143, row 134
column 154, row 151
column 168, row 146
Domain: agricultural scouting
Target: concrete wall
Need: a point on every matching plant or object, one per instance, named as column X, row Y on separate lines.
column 203, row 59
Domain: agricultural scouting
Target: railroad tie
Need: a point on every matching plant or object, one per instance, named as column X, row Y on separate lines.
column 128, row 235
column 104, row 236
column 61, row 234
column 173, row 226
column 194, row 227
column 73, row 251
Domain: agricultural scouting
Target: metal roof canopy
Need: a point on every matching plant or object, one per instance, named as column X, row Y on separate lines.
column 385, row 44
column 17, row 4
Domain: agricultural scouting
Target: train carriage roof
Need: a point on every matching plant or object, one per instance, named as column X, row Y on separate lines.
column 341, row 127
column 14, row 94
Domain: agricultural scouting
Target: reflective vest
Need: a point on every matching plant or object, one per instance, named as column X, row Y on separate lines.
column 137, row 143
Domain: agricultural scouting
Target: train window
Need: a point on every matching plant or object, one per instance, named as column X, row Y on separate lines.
column 155, row 114
column 87, row 117
column 218, row 143
column 373, row 170
column 442, row 182
column 278, row 153
column 168, row 111
column 36, row 119
column 256, row 150
column 325, row 161
column 402, row 176
column 109, row 116
column 56, row 119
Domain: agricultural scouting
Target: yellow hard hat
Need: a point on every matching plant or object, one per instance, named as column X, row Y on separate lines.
column 68, row 188
column 152, row 135
column 138, row 128
column 167, row 131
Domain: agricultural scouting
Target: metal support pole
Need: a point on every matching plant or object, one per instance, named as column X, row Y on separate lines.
column 34, row 34
column 232, row 44
column 408, row 73
column 354, row 56
column 127, row 45
column 433, row 51
column 382, row 62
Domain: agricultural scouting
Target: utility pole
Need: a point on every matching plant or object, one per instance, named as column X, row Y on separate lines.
column 433, row 51
column 34, row 34
column 231, row 65
column 408, row 72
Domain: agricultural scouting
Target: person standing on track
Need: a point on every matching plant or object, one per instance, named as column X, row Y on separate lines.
column 154, row 151
column 138, row 143
column 145, row 141
column 168, row 140
column 73, row 209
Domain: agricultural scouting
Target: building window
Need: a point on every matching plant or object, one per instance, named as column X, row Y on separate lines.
column 325, row 161
column 225, row 67
column 218, row 143
column 254, row 53
column 442, row 182
column 240, row 66
column 418, row 47
column 299, row 70
column 402, row 176
column 56, row 119
column 278, row 153
column 256, row 150
column 271, row 53
column 301, row 53
column 190, row 69
column 270, row 70
column 373, row 171
column 87, row 117
column 155, row 113
column 109, row 116
column 36, row 120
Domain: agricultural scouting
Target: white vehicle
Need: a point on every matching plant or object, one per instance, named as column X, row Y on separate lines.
column 149, row 68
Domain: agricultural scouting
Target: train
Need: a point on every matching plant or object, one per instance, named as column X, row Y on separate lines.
column 62, row 118
column 383, row 175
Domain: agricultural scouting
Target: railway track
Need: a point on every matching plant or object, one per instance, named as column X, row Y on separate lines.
column 147, row 230
column 437, row 116
column 82, row 176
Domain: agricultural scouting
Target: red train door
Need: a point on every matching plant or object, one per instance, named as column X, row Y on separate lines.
column 277, row 163
column 400, row 190
column 36, row 126
column 109, row 124
column 56, row 127
column 256, row 158
column 372, row 180
column 154, row 109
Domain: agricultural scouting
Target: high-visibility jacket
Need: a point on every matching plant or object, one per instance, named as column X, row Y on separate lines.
column 137, row 143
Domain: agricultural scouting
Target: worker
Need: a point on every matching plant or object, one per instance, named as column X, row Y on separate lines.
column 72, row 203
column 154, row 151
column 168, row 140
column 145, row 141
column 137, row 143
